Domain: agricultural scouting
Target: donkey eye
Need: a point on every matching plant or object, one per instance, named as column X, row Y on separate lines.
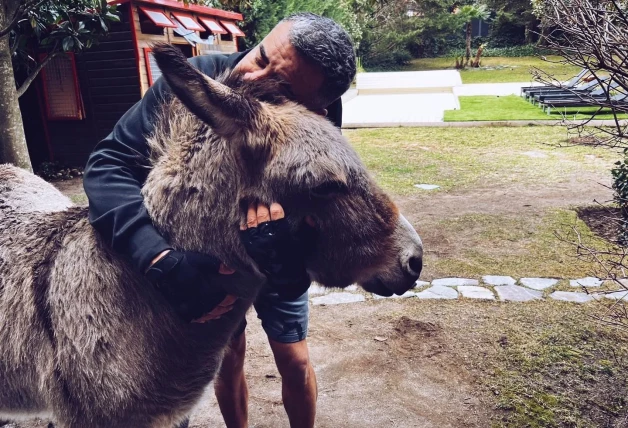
column 329, row 189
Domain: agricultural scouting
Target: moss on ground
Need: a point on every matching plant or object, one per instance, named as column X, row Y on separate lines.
column 540, row 364
column 519, row 246
column 458, row 158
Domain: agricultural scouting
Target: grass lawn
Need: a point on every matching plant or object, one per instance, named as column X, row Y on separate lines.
column 541, row 364
column 512, row 107
column 498, row 69
column 465, row 158
column 504, row 194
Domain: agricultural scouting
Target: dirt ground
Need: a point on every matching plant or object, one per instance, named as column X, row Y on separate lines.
column 375, row 368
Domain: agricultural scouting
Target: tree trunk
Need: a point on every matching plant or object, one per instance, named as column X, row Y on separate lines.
column 468, row 53
column 12, row 139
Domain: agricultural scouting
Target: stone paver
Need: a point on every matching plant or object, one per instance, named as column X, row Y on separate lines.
column 438, row 292
column 427, row 186
column 586, row 282
column 394, row 296
column 498, row 280
column 337, row 298
column 616, row 295
column 538, row 283
column 420, row 284
column 473, row 292
column 569, row 296
column 516, row 293
column 454, row 282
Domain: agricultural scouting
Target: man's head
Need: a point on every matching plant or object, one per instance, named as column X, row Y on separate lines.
column 313, row 55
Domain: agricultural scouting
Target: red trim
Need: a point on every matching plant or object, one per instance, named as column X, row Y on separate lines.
column 238, row 31
column 136, row 47
column 77, row 92
column 181, row 16
column 147, row 61
column 173, row 4
column 205, row 22
column 148, row 11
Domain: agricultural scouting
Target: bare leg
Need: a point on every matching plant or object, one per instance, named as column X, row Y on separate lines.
column 230, row 385
column 298, row 382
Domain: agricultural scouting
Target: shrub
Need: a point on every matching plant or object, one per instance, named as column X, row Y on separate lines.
column 387, row 61
column 620, row 186
column 510, row 52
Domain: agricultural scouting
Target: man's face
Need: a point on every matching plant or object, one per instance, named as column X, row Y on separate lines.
column 276, row 57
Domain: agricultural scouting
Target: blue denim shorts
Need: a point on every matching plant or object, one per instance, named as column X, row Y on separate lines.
column 284, row 321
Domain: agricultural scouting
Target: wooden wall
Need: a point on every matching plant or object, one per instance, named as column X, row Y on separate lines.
column 109, row 83
column 112, row 77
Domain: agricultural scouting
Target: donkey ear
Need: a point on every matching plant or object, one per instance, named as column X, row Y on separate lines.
column 223, row 109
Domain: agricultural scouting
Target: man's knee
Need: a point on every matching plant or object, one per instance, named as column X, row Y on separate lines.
column 293, row 361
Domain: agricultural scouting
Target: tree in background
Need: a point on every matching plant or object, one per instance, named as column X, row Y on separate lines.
column 514, row 22
column 466, row 14
column 260, row 16
column 27, row 29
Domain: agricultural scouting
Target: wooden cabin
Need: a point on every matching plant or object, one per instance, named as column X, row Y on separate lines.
column 77, row 99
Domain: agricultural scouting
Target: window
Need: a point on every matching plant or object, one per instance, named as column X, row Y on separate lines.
column 232, row 28
column 154, row 21
column 188, row 22
column 213, row 26
column 61, row 89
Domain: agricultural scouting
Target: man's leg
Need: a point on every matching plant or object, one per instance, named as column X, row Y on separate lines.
column 298, row 382
column 230, row 385
column 285, row 323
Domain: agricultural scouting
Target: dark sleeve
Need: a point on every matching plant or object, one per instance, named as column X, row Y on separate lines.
column 116, row 171
column 334, row 112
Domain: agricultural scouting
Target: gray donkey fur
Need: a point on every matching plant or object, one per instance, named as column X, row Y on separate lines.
column 88, row 341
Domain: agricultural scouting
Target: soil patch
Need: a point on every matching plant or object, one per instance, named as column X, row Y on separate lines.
column 604, row 221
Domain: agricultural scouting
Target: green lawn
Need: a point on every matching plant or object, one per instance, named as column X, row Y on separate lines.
column 463, row 158
column 512, row 107
column 468, row 229
column 498, row 69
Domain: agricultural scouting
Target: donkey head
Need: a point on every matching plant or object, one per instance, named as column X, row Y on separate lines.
column 252, row 144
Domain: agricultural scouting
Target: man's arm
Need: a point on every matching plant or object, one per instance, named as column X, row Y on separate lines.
column 116, row 171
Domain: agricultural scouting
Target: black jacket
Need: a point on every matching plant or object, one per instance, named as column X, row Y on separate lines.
column 118, row 167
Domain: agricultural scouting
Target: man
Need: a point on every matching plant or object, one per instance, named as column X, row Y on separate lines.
column 314, row 57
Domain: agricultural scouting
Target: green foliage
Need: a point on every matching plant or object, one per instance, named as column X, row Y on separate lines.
column 261, row 16
column 57, row 26
column 513, row 22
column 508, row 52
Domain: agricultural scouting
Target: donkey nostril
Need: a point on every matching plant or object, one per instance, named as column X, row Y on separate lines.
column 415, row 264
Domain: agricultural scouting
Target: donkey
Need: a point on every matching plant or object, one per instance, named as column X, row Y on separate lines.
column 86, row 340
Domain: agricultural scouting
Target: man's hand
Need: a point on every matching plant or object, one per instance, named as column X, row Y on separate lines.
column 184, row 278
column 267, row 239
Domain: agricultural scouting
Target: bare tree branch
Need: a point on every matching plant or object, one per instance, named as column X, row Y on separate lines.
column 31, row 77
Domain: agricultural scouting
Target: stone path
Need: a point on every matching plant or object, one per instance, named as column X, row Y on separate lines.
column 489, row 287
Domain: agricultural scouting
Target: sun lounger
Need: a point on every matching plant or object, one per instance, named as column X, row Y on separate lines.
column 615, row 100
column 588, row 89
column 568, row 84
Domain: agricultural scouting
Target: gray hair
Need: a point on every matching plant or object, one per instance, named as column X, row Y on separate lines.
column 325, row 43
